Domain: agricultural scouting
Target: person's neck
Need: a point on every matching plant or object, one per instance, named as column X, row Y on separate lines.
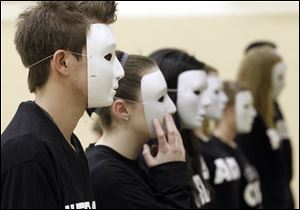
column 198, row 132
column 64, row 109
column 124, row 141
column 226, row 133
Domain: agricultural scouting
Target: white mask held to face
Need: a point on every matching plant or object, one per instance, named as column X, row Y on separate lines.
column 155, row 99
column 103, row 68
column 217, row 96
column 278, row 82
column 191, row 98
column 244, row 111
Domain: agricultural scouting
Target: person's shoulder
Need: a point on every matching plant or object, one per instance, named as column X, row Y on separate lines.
column 22, row 148
column 28, row 119
column 104, row 164
column 108, row 166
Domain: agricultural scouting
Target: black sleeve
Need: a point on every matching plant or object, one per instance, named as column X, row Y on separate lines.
column 170, row 190
column 27, row 185
column 171, row 184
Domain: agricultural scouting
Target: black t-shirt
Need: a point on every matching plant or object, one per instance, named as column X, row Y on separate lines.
column 39, row 169
column 268, row 161
column 120, row 183
column 224, row 173
column 204, row 196
column 251, row 196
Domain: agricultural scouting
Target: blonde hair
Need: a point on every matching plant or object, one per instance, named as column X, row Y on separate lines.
column 255, row 73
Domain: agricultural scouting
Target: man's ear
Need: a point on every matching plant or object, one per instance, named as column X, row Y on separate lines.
column 61, row 62
column 120, row 109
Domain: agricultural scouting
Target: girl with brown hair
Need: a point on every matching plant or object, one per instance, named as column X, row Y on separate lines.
column 140, row 111
column 267, row 147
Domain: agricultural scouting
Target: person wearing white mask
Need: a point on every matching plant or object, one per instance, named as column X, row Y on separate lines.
column 278, row 84
column 187, row 82
column 234, row 179
column 141, row 110
column 218, row 98
column 268, row 146
column 68, row 48
column 214, row 111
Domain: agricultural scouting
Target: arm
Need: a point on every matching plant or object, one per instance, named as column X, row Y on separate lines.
column 169, row 189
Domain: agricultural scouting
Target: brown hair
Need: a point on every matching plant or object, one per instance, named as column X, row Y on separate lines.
column 99, row 11
column 97, row 127
column 231, row 89
column 129, row 86
column 255, row 73
column 210, row 70
column 53, row 25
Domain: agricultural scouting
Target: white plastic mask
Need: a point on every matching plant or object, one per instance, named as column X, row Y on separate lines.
column 244, row 111
column 155, row 99
column 217, row 96
column 191, row 98
column 278, row 82
column 103, row 68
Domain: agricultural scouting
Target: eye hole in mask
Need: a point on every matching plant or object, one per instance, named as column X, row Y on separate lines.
column 161, row 99
column 280, row 77
column 246, row 106
column 197, row 92
column 108, row 57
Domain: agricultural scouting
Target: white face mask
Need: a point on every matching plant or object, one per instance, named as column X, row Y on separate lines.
column 155, row 99
column 217, row 96
column 191, row 98
column 244, row 111
column 278, row 79
column 103, row 68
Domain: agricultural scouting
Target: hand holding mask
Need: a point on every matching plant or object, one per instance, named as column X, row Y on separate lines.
column 169, row 149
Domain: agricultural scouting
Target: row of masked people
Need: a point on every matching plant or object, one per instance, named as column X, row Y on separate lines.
column 194, row 160
column 236, row 147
